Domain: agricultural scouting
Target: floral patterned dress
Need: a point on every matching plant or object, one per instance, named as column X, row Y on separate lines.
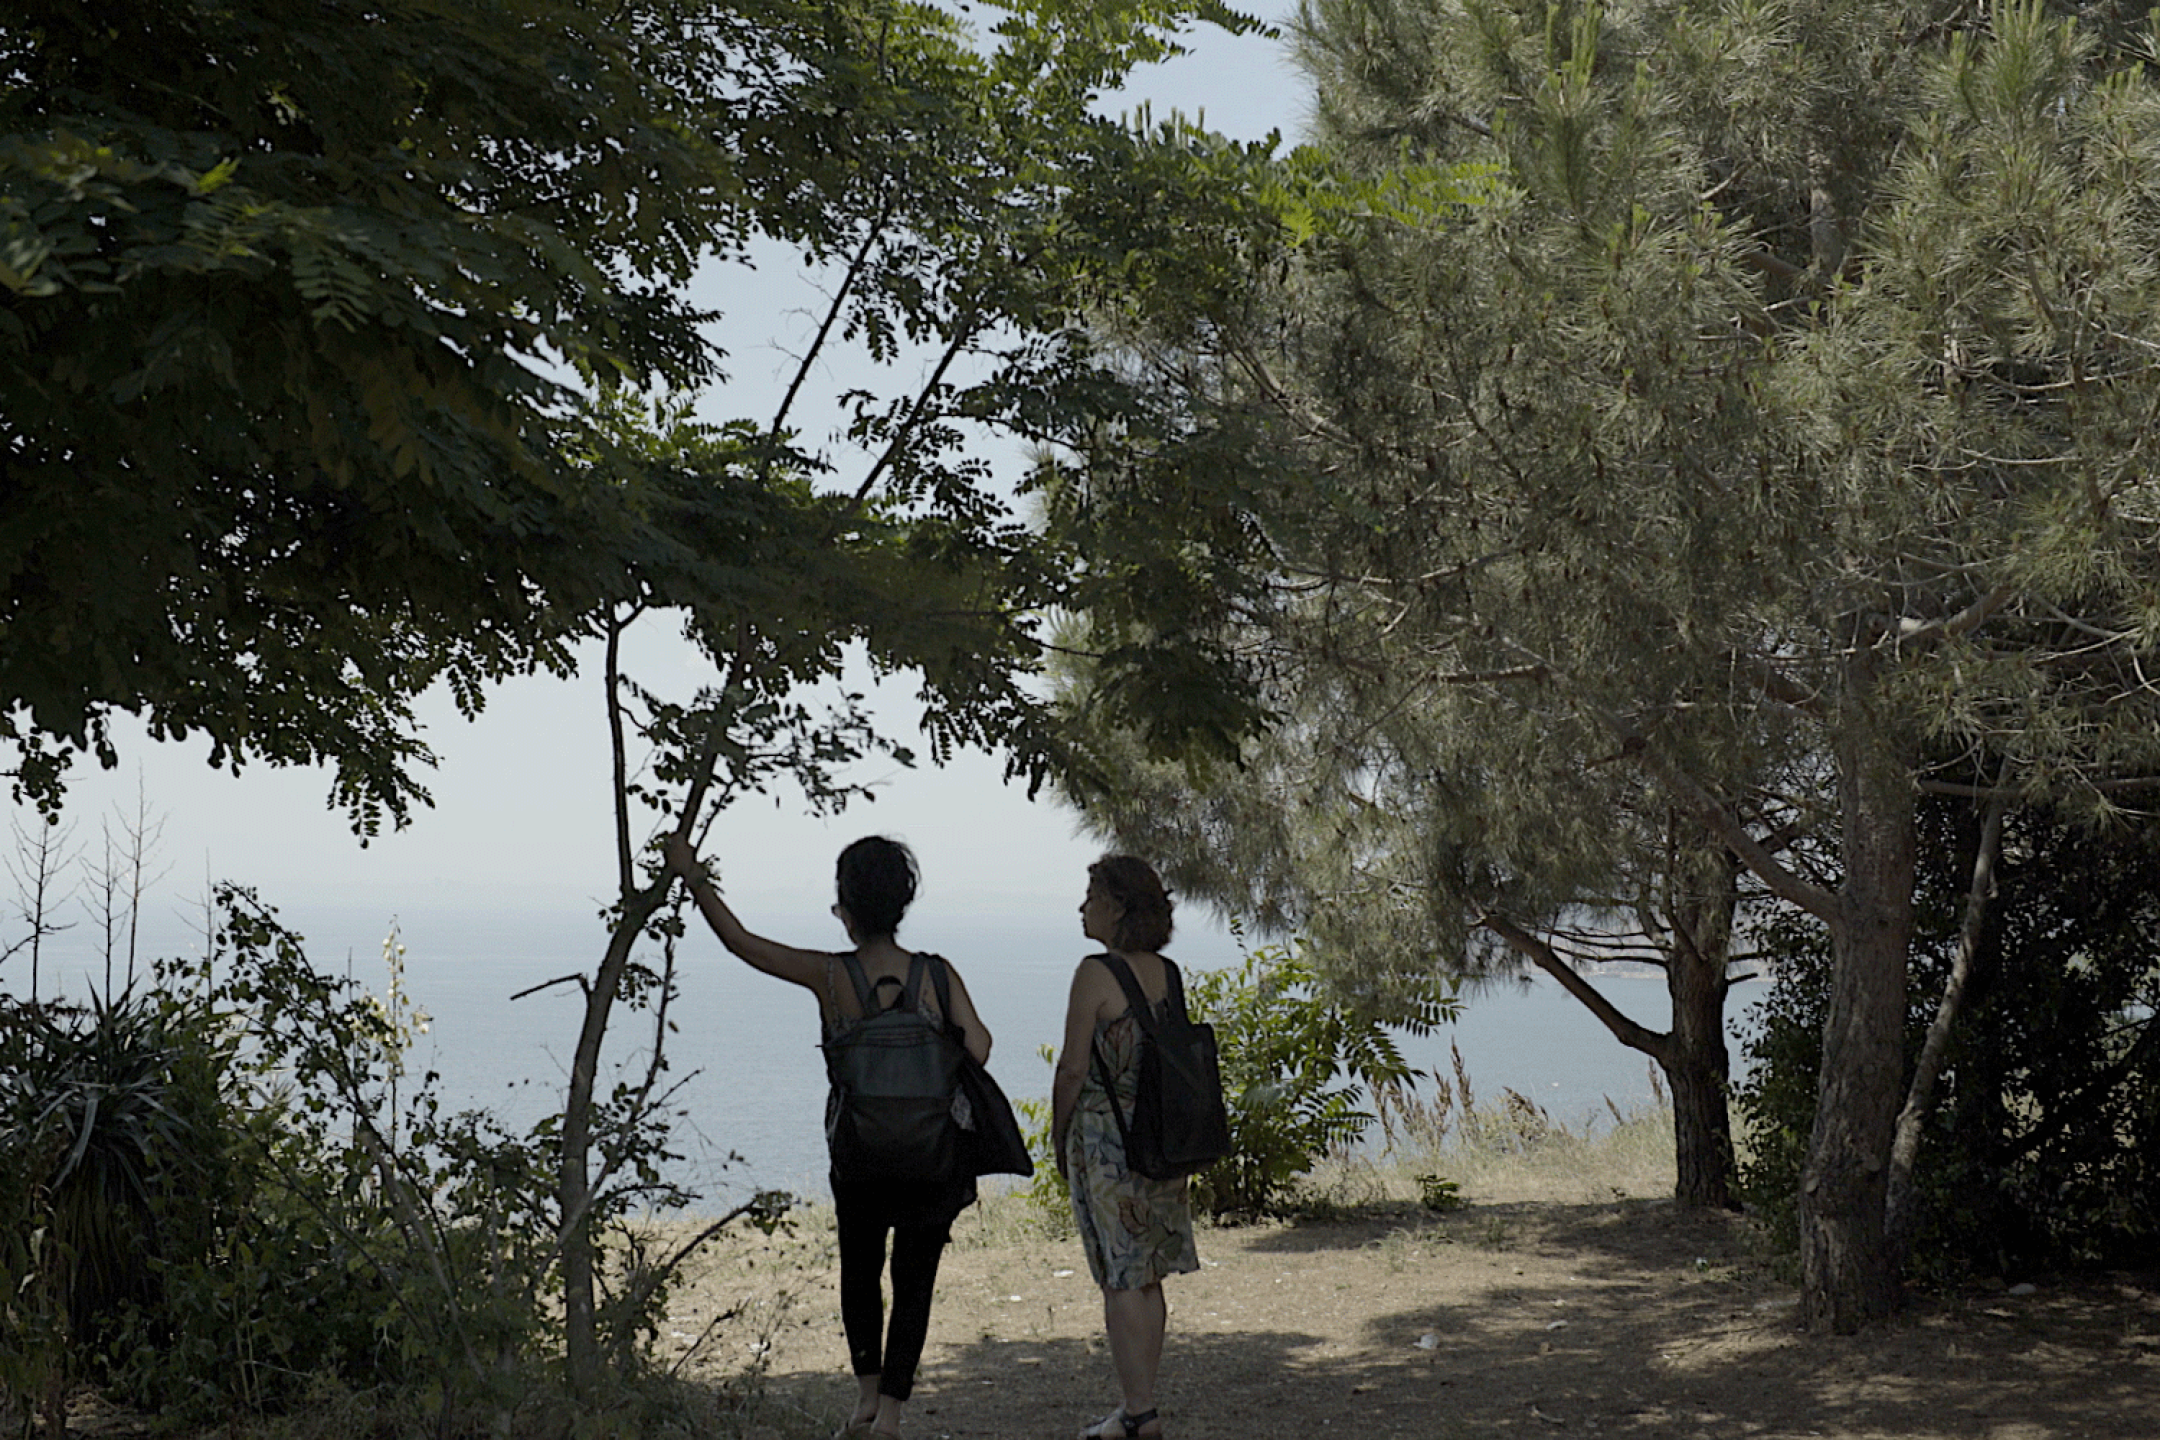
column 1135, row 1230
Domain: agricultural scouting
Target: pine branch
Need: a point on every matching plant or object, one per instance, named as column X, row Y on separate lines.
column 1542, row 955
column 1972, row 617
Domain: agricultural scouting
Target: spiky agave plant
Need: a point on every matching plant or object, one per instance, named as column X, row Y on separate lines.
column 109, row 1124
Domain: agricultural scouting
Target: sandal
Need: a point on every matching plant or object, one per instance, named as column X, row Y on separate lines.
column 1128, row 1426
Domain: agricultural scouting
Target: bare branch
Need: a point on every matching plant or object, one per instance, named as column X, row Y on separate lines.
column 701, row 774
column 1281, row 397
column 1542, row 955
column 625, row 858
column 855, row 268
column 1781, row 687
column 2117, row 786
column 1769, row 264
column 1972, row 617
column 1920, row 1096
column 1711, row 813
column 577, row 980
column 1483, row 677
column 1722, row 823
column 963, row 335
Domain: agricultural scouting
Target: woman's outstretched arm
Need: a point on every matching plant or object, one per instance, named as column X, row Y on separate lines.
column 804, row 967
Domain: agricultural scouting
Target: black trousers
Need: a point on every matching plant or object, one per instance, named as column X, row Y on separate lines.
column 867, row 1213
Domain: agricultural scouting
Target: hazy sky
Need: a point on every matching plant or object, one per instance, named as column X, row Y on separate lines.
column 521, row 814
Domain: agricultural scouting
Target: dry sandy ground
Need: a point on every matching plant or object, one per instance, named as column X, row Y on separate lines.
column 1625, row 1318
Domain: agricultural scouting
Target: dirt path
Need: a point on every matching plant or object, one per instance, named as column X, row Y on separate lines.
column 1534, row 1319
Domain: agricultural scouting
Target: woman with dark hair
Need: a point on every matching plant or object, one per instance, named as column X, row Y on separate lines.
column 876, row 879
column 1135, row 1230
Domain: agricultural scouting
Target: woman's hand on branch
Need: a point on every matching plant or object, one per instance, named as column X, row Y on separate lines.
column 803, row 967
column 684, row 861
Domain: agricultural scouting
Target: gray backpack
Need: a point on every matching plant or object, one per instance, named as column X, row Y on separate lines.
column 889, row 1114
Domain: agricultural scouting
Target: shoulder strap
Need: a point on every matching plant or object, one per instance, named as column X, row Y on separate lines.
column 1101, row 1066
column 1137, row 999
column 1174, row 988
column 1130, row 984
column 911, row 988
column 941, row 982
column 863, row 994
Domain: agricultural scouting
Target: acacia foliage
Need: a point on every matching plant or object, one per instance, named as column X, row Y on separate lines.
column 301, row 302
column 292, row 293
column 1770, row 441
column 979, row 216
column 965, row 209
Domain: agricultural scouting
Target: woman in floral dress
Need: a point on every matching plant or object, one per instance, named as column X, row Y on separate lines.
column 1135, row 1230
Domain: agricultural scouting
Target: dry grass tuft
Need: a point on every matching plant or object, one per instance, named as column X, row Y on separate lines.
column 1514, row 1150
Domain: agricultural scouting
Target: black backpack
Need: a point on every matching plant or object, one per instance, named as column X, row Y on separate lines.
column 1179, row 1125
column 889, row 1115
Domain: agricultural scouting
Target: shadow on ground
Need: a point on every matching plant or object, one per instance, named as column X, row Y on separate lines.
column 1631, row 1319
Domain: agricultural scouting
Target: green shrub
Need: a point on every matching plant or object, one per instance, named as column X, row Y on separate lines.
column 2044, row 1145
column 1775, row 1096
column 386, row 1245
column 1438, row 1195
column 1045, row 1192
column 114, row 1142
column 1299, row 1062
column 215, row 1197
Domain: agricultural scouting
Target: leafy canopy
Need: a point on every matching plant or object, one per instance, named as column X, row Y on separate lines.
column 291, row 298
column 305, row 311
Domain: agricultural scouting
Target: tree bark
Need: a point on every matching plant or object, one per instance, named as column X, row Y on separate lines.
column 1702, row 1129
column 1697, row 1064
column 1847, row 1274
column 573, row 1193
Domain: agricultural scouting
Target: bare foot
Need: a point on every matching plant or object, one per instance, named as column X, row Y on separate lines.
column 858, row 1424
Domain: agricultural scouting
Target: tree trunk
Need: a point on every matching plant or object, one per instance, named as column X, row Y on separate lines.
column 1702, row 1129
column 574, row 1181
column 1692, row 1054
column 1696, row 1063
column 573, row 1191
column 1846, row 1272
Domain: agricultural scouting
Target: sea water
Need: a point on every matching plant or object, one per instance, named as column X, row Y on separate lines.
column 748, row 1083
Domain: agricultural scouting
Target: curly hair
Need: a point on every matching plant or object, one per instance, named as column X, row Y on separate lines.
column 1133, row 883
column 876, row 878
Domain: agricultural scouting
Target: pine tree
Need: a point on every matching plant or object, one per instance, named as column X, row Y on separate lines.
column 1770, row 428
